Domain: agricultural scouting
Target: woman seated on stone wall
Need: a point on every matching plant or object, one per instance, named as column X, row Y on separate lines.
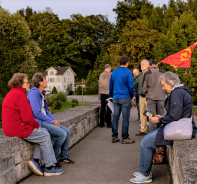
column 178, row 105
column 18, row 121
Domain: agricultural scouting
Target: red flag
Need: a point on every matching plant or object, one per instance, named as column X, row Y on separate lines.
column 180, row 59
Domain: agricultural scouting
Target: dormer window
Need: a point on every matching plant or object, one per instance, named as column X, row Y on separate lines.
column 51, row 72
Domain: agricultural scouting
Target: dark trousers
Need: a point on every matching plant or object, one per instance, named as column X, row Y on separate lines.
column 137, row 104
column 105, row 115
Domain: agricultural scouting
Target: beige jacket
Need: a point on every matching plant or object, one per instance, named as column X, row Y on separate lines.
column 104, row 82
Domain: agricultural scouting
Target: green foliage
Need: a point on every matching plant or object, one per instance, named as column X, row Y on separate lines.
column 54, row 90
column 17, row 49
column 74, row 103
column 182, row 34
column 55, row 101
column 91, row 83
column 68, row 88
column 136, row 41
column 62, row 97
column 79, row 90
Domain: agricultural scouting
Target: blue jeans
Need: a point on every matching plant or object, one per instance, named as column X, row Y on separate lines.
column 124, row 105
column 43, row 147
column 63, row 138
column 146, row 152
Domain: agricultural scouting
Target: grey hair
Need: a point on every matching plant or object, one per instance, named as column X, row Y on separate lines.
column 146, row 61
column 136, row 69
column 107, row 66
column 170, row 78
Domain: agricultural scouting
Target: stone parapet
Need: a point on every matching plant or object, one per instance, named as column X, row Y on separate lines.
column 15, row 152
column 182, row 158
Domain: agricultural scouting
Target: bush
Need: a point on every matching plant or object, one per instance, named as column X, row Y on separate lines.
column 93, row 89
column 54, row 91
column 55, row 101
column 79, row 90
column 74, row 102
column 68, row 88
column 62, row 97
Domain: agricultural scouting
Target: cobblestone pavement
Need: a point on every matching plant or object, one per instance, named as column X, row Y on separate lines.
column 98, row 161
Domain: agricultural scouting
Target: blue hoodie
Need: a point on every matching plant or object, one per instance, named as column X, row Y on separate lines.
column 35, row 100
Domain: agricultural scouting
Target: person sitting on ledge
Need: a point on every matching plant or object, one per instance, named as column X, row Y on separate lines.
column 18, row 121
column 37, row 100
column 178, row 105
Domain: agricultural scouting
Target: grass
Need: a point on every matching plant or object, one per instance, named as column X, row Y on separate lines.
column 68, row 105
column 195, row 111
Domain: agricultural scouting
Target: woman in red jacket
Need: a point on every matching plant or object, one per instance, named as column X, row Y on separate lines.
column 18, row 121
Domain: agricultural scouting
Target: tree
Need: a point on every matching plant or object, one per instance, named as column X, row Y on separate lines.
column 68, row 88
column 129, row 10
column 136, row 41
column 91, row 83
column 54, row 90
column 181, row 35
column 155, row 21
column 17, row 51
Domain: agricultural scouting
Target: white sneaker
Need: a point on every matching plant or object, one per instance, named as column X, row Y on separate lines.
column 136, row 174
column 141, row 179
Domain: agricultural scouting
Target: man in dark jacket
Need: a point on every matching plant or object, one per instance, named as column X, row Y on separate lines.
column 178, row 105
column 155, row 95
column 135, row 74
column 143, row 102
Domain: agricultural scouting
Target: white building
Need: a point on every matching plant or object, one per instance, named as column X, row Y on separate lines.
column 60, row 77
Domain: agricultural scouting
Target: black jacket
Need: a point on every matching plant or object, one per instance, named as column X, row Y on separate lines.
column 178, row 105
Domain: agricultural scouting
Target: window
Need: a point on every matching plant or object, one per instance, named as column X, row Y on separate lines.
column 64, row 79
column 51, row 80
column 51, row 73
column 64, row 87
column 58, row 87
column 58, row 80
column 68, row 73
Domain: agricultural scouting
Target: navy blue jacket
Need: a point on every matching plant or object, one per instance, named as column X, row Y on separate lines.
column 178, row 105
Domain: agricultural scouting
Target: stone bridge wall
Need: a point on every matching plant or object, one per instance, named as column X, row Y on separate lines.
column 182, row 158
column 15, row 152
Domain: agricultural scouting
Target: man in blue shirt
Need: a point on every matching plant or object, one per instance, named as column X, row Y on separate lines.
column 121, row 89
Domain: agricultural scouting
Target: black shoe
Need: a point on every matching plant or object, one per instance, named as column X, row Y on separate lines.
column 57, row 165
column 66, row 160
column 101, row 126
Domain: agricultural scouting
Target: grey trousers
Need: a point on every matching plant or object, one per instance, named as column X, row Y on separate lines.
column 43, row 146
column 155, row 107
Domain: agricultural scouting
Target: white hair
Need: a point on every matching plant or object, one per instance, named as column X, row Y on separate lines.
column 170, row 78
column 146, row 61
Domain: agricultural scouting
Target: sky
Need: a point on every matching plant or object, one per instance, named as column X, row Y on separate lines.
column 65, row 8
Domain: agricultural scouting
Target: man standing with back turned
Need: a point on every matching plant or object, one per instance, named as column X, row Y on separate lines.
column 155, row 95
column 104, row 91
column 121, row 89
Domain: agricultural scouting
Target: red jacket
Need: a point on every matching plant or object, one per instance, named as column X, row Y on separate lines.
column 17, row 117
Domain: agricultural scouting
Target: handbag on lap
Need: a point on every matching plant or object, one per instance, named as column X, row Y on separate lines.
column 179, row 130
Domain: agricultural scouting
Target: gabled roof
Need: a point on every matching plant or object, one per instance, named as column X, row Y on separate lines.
column 60, row 70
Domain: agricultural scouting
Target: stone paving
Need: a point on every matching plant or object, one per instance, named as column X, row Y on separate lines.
column 98, row 161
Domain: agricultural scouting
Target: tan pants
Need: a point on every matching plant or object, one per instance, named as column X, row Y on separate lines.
column 143, row 119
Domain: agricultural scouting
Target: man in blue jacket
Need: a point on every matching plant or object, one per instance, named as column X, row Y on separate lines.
column 121, row 89
column 37, row 100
